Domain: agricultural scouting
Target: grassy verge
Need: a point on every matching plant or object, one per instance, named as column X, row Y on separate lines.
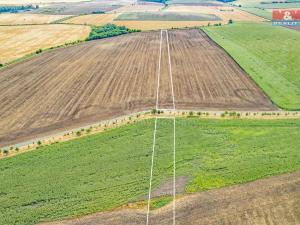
column 270, row 55
column 106, row 170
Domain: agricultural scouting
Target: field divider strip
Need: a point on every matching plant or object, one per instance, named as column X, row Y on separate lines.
column 154, row 132
column 158, row 71
column 151, row 170
column 174, row 131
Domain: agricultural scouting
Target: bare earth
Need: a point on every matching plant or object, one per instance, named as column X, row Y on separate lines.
column 269, row 201
column 79, row 85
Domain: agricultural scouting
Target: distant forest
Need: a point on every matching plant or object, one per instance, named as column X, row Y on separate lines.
column 166, row 1
column 14, row 9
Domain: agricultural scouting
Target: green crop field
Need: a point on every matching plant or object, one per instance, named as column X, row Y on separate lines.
column 269, row 54
column 268, row 4
column 167, row 16
column 105, row 170
column 259, row 12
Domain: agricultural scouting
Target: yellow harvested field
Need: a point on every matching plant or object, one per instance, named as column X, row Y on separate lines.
column 94, row 19
column 20, row 18
column 224, row 12
column 18, row 41
column 147, row 7
column 155, row 25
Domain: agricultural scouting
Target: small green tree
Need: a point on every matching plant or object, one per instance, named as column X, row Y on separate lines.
column 230, row 21
column 38, row 51
column 78, row 133
column 39, row 142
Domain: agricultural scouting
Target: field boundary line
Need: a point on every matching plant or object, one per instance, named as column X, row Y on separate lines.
column 174, row 131
column 154, row 132
column 151, row 170
column 158, row 71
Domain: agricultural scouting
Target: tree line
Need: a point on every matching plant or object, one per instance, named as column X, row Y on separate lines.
column 109, row 30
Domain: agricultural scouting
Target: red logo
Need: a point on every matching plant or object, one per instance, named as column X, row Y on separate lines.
column 286, row 15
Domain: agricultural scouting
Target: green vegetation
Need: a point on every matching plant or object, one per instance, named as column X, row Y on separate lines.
column 109, row 30
column 157, row 203
column 188, row 1
column 16, row 8
column 105, row 170
column 158, row 1
column 268, row 4
column 167, row 16
column 259, row 12
column 269, row 54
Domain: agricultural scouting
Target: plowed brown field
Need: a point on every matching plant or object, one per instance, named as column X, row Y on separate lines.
column 79, row 85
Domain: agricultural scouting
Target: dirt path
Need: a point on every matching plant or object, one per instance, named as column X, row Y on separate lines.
column 273, row 200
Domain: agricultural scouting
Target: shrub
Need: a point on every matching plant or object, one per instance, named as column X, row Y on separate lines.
column 230, row 21
column 38, row 51
column 1, row 65
column 153, row 111
column 78, row 133
column 109, row 30
column 39, row 142
column 5, row 151
column 191, row 113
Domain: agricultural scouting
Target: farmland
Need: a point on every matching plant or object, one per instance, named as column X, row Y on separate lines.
column 267, row 4
column 157, row 25
column 224, row 12
column 167, row 16
column 154, row 16
column 71, row 94
column 95, row 19
column 272, row 64
column 145, row 7
column 18, row 41
column 271, row 200
column 18, row 18
column 259, row 12
column 106, row 170
column 78, row 8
